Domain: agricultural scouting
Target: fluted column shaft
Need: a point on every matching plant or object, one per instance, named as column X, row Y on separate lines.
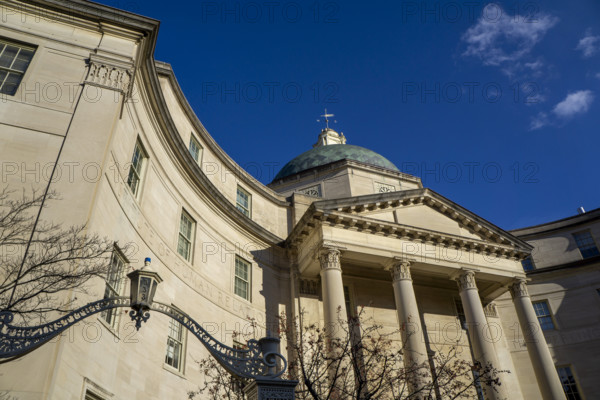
column 541, row 359
column 413, row 339
column 482, row 345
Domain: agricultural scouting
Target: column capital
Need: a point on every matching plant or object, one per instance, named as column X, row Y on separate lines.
column 518, row 288
column 466, row 280
column 329, row 258
column 400, row 269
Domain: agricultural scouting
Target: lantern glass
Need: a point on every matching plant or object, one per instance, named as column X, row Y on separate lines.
column 143, row 287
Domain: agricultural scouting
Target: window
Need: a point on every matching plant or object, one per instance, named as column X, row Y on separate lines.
column 528, row 264
column 348, row 303
column 542, row 311
column 567, row 379
column 14, row 60
column 175, row 345
column 135, row 170
column 460, row 313
column 115, row 279
column 91, row 396
column 195, row 149
column 186, row 232
column 586, row 244
column 242, row 278
column 244, row 202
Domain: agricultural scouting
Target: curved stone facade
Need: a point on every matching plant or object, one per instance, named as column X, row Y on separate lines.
column 134, row 164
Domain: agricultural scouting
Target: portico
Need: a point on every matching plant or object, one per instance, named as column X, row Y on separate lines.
column 338, row 243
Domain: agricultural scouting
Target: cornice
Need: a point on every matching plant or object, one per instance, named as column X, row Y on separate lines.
column 78, row 11
column 557, row 226
column 349, row 217
column 193, row 170
column 339, row 165
column 468, row 220
column 266, row 192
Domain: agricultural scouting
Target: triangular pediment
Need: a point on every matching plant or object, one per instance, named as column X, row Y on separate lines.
column 427, row 214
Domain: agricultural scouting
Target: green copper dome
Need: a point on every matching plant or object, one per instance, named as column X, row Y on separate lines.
column 323, row 155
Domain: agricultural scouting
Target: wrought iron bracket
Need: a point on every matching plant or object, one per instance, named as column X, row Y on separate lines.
column 258, row 361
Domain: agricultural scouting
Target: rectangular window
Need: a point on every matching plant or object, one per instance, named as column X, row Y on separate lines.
column 242, row 278
column 569, row 384
column 349, row 303
column 186, row 233
column 528, row 264
column 175, row 345
column 460, row 313
column 586, row 244
column 115, row 282
column 542, row 311
column 14, row 60
column 135, row 170
column 195, row 149
column 244, row 202
column 91, row 396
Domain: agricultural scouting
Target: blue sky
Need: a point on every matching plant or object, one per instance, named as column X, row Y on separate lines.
column 493, row 105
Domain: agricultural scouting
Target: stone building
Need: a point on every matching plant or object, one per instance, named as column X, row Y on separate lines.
column 86, row 109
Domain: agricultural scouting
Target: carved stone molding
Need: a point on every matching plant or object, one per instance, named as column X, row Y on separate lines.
column 401, row 271
column 466, row 280
column 330, row 258
column 109, row 76
column 490, row 310
column 519, row 288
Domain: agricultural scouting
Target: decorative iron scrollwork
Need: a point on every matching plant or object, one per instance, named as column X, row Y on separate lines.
column 16, row 341
column 251, row 363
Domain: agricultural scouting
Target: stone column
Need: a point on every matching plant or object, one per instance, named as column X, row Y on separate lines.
column 413, row 339
column 334, row 304
column 481, row 342
column 334, row 312
column 540, row 356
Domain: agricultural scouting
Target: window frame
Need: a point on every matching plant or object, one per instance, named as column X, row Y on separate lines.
column 550, row 315
column 182, row 342
column 196, row 143
column 575, row 383
column 247, row 211
column 181, row 236
column 139, row 170
column 112, row 317
column 9, row 70
column 590, row 246
column 247, row 281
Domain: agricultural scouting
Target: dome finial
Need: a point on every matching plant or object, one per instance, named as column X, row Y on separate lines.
column 326, row 116
column 328, row 136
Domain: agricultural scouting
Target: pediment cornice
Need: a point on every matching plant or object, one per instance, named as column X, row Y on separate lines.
column 352, row 213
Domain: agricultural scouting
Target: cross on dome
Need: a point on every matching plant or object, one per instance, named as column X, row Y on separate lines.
column 328, row 136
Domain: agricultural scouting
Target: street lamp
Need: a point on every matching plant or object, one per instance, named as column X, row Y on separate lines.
column 143, row 288
column 260, row 362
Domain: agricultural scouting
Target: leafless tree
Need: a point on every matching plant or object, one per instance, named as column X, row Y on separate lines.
column 364, row 362
column 42, row 263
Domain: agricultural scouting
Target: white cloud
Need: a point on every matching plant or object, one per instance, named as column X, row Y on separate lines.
column 575, row 103
column 498, row 38
column 589, row 45
column 539, row 121
column 598, row 75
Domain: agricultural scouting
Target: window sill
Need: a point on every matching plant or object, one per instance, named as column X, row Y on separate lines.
column 174, row 371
